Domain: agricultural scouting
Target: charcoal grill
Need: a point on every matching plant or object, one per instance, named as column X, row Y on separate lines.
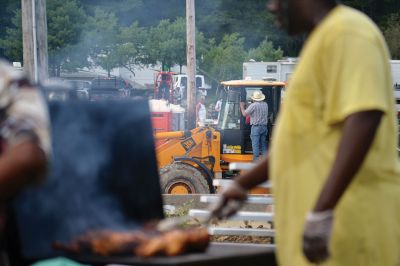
column 218, row 254
column 132, row 147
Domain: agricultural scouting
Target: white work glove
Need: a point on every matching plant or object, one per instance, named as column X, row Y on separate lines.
column 317, row 235
column 230, row 201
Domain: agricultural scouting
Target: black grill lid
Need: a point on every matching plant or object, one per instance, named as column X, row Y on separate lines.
column 103, row 175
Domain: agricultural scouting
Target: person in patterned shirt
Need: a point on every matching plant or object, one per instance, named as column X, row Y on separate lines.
column 24, row 138
column 258, row 113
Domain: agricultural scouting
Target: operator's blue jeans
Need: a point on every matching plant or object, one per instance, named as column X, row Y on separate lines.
column 258, row 137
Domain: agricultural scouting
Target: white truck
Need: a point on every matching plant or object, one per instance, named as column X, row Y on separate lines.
column 180, row 84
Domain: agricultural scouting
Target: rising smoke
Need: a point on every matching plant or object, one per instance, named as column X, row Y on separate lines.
column 103, row 175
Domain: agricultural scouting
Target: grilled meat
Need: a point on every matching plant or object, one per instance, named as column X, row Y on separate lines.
column 140, row 243
column 174, row 243
column 104, row 243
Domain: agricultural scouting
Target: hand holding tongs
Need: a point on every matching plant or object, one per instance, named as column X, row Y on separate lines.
column 222, row 212
column 175, row 222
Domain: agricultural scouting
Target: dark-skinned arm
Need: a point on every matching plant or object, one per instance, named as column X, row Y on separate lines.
column 358, row 134
column 20, row 166
column 257, row 175
column 235, row 194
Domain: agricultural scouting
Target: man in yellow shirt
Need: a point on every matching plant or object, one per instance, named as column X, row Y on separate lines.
column 333, row 161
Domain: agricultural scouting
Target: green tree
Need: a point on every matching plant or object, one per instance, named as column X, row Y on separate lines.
column 65, row 24
column 112, row 46
column 392, row 35
column 167, row 43
column 101, row 39
column 378, row 10
column 177, row 30
column 7, row 13
column 126, row 11
column 12, row 43
column 65, row 20
column 130, row 51
column 224, row 61
column 265, row 52
column 250, row 19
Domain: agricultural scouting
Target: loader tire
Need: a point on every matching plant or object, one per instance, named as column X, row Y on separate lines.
column 181, row 178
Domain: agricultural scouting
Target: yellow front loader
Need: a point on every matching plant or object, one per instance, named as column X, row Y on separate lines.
column 188, row 161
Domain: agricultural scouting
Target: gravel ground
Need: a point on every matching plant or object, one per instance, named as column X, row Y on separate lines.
column 185, row 202
column 242, row 239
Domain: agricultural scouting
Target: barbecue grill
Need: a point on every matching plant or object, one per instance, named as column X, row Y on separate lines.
column 218, row 254
column 104, row 175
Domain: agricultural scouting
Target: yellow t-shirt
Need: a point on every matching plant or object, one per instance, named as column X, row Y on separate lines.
column 344, row 69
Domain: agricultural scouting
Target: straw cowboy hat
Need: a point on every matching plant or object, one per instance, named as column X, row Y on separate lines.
column 258, row 96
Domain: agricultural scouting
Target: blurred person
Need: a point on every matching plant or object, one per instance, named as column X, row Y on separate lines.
column 258, row 113
column 163, row 90
column 24, row 138
column 218, row 105
column 217, row 109
column 333, row 162
column 201, row 112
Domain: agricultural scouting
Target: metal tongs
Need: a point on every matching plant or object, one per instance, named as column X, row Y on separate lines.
column 176, row 222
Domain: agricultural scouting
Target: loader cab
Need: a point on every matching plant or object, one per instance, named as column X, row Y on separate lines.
column 235, row 132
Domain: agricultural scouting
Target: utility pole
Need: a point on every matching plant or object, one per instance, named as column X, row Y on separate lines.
column 191, row 63
column 34, row 36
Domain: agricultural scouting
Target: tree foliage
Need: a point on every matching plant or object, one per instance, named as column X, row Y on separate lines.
column 64, row 22
column 224, row 60
column 101, row 39
column 7, row 16
column 378, row 10
column 265, row 52
column 134, row 33
column 12, row 43
column 167, row 43
column 392, row 35
column 131, row 52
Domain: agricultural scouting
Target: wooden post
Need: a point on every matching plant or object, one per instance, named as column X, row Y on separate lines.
column 34, row 30
column 27, row 38
column 191, row 64
column 41, row 33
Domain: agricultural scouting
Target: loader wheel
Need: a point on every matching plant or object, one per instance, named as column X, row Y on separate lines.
column 180, row 178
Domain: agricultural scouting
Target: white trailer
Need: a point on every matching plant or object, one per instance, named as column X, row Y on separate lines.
column 274, row 71
column 282, row 69
column 396, row 71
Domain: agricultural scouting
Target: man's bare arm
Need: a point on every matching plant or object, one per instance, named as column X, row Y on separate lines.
column 257, row 175
column 242, row 108
column 20, row 166
column 236, row 193
column 358, row 134
column 197, row 112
